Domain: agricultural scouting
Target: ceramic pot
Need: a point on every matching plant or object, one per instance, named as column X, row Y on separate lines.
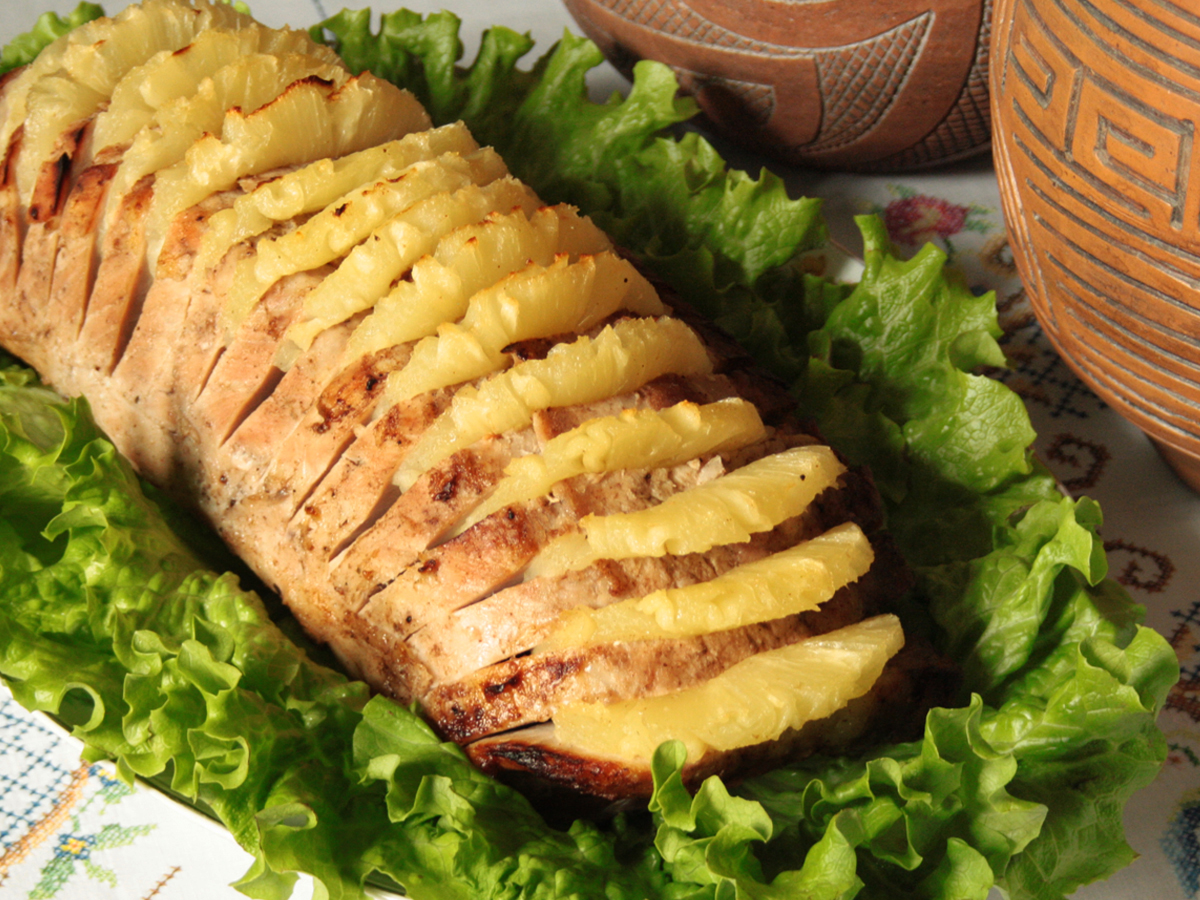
column 1096, row 107
column 892, row 84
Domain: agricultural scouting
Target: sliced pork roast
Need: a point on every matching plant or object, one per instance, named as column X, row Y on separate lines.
column 473, row 448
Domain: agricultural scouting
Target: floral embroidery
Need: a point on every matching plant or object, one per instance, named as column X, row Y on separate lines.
column 913, row 219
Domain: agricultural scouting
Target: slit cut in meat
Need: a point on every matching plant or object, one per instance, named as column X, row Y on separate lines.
column 245, row 364
column 120, row 285
column 75, row 266
column 425, row 512
column 329, row 428
column 278, row 416
column 253, row 402
column 133, row 312
column 386, row 499
column 50, row 192
column 210, row 369
column 332, row 521
column 474, row 564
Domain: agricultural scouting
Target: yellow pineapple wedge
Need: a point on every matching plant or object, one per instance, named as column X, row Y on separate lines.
column 467, row 261
column 792, row 581
column 633, row 439
column 247, row 83
column 309, row 120
column 726, row 510
column 77, row 74
column 538, row 301
column 369, row 270
column 345, row 223
column 315, row 186
column 418, row 402
column 173, row 75
column 755, row 700
column 622, row 358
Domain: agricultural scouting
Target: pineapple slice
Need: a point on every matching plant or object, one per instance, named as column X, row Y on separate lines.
column 317, row 185
column 335, row 230
column 247, row 83
column 308, row 121
column 169, row 75
column 76, row 75
column 373, row 266
column 622, row 358
column 792, row 581
column 467, row 261
column 753, row 701
column 726, row 510
column 538, row 301
column 633, row 439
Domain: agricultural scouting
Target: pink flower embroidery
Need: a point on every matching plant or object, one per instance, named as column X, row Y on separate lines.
column 916, row 219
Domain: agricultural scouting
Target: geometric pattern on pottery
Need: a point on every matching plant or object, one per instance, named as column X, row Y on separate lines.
column 859, row 81
column 676, row 18
column 968, row 125
column 1101, row 181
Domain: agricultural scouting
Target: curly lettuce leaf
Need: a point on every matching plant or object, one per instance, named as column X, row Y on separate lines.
column 24, row 48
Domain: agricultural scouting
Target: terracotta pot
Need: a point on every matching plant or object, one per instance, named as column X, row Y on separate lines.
column 893, row 84
column 1096, row 106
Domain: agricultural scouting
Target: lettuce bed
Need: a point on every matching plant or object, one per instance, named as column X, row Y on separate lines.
column 110, row 618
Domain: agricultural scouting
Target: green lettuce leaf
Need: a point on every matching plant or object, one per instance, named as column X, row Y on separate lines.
column 24, row 48
column 109, row 617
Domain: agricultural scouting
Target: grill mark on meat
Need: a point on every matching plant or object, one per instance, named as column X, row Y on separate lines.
column 50, row 191
column 361, row 479
column 534, row 750
column 311, row 451
column 891, row 711
column 469, row 566
column 415, row 521
column 470, row 708
column 30, row 330
column 11, row 231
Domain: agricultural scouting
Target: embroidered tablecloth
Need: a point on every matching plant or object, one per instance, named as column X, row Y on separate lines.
column 70, row 830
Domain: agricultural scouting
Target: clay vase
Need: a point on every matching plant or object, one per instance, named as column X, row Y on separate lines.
column 885, row 85
column 1096, row 111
